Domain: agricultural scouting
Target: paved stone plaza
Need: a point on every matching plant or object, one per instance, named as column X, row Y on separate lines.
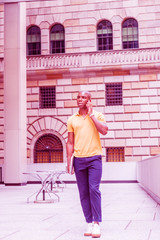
column 128, row 214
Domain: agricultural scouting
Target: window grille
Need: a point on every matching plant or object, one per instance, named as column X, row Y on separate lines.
column 48, row 97
column 115, row 154
column 113, row 94
column 33, row 41
column 104, row 35
column 57, row 39
column 48, row 149
column 130, row 33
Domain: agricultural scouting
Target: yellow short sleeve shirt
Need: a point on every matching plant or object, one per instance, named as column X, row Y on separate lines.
column 86, row 137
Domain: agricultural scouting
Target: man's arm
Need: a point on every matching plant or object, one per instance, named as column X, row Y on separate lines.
column 101, row 126
column 70, row 149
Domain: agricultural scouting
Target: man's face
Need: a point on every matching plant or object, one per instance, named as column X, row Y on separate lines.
column 82, row 99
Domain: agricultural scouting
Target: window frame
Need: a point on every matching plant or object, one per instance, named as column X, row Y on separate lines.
column 33, row 47
column 115, row 97
column 47, row 99
column 132, row 38
column 57, row 45
column 106, row 41
column 46, row 147
column 120, row 151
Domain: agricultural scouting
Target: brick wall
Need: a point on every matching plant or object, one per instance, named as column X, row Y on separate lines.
column 80, row 19
column 134, row 125
column 1, row 30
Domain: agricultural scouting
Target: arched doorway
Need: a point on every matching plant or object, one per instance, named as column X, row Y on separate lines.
column 48, row 149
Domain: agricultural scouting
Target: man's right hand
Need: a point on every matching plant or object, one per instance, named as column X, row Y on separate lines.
column 69, row 170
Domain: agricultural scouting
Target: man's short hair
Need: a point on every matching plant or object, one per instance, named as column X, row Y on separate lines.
column 86, row 92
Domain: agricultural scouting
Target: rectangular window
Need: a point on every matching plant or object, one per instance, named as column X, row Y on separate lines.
column 113, row 94
column 115, row 154
column 48, row 97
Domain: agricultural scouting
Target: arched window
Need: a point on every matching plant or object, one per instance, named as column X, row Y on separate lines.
column 57, row 39
column 48, row 149
column 33, row 41
column 130, row 33
column 104, row 35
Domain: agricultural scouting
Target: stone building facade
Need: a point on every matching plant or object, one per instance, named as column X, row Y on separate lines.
column 130, row 74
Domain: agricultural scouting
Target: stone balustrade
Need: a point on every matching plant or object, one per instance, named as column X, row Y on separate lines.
column 92, row 59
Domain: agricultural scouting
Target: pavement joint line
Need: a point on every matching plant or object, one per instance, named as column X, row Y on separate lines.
column 128, row 225
column 8, row 235
column 62, row 234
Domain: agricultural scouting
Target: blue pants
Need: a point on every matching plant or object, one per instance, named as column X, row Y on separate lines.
column 88, row 173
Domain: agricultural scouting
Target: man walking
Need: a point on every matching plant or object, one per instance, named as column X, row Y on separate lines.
column 84, row 143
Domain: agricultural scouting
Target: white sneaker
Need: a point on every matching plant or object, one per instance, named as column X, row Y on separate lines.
column 88, row 232
column 96, row 232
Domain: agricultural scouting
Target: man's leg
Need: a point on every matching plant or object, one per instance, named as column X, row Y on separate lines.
column 81, row 173
column 95, row 173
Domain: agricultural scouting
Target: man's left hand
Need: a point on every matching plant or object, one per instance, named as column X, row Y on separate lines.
column 89, row 107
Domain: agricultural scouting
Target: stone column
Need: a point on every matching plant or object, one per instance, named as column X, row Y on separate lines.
column 14, row 93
